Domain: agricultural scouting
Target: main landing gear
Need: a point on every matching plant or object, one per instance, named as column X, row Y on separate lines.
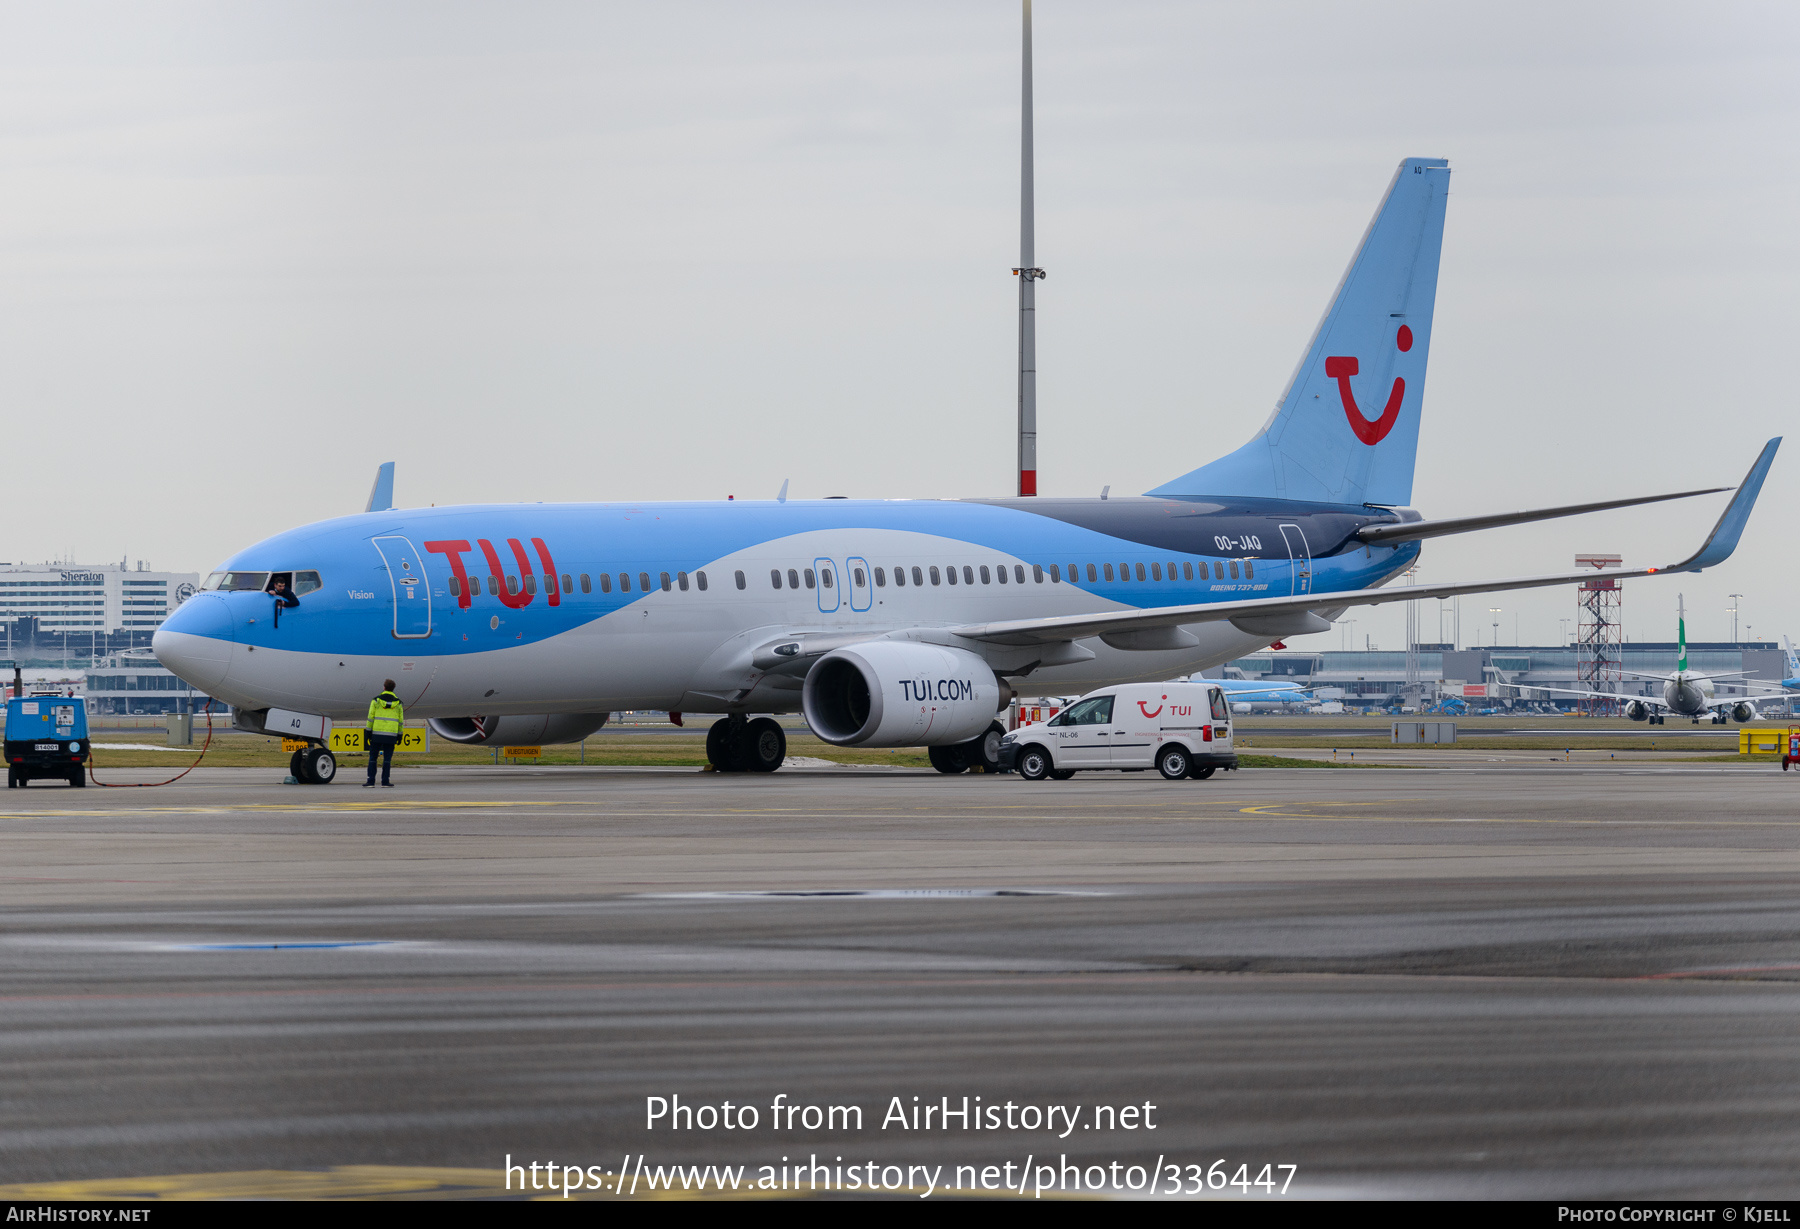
column 982, row 752
column 737, row 745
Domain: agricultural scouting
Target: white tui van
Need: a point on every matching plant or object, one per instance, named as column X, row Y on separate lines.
column 1180, row 729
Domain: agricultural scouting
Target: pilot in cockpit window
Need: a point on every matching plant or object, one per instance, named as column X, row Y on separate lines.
column 281, row 589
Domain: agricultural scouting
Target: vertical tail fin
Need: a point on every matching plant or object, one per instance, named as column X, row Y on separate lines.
column 1680, row 634
column 1346, row 430
column 1793, row 661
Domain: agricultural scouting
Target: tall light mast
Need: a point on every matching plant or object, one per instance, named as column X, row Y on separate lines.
column 1028, row 274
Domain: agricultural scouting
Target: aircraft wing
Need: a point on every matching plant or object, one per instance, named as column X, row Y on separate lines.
column 1159, row 627
column 1646, row 701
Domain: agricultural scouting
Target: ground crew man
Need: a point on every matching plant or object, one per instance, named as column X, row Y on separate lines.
column 382, row 732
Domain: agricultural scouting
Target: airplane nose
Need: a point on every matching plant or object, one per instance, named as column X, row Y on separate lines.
column 195, row 641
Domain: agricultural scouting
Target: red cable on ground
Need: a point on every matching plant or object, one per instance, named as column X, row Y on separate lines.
column 151, row 784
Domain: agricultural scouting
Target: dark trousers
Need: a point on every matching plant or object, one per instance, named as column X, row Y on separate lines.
column 381, row 747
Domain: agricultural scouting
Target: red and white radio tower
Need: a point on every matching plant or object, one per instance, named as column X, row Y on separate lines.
column 1600, row 639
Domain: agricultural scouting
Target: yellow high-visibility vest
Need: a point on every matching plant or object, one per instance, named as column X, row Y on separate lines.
column 385, row 714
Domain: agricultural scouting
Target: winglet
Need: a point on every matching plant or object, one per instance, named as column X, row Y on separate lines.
column 1724, row 538
column 381, row 495
column 781, row 497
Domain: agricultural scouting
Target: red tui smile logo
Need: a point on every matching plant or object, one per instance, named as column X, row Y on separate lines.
column 1342, row 368
column 1146, row 711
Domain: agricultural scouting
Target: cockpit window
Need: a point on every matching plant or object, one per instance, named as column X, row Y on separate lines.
column 306, row 582
column 237, row 582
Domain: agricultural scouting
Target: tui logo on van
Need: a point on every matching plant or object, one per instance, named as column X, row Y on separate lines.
column 1146, row 711
column 1341, row 368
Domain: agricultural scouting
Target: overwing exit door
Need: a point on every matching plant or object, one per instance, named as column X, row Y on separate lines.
column 1300, row 557
column 861, row 595
column 411, row 590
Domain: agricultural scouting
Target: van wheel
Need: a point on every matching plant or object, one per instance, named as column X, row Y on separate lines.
column 12, row 777
column 1061, row 774
column 1173, row 762
column 1200, row 774
column 78, row 778
column 1034, row 764
column 950, row 759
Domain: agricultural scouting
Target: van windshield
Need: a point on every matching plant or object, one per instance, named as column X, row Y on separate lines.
column 1097, row 711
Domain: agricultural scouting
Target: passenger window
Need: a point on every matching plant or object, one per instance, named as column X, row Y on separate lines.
column 1171, row 569
column 811, row 580
column 899, row 576
column 919, row 577
column 530, row 584
column 493, row 587
column 793, row 579
column 1234, row 572
column 775, row 577
column 1056, row 573
column 512, row 585
column 701, row 578
column 1019, row 573
column 1249, row 570
column 861, row 580
column 1002, row 571
column 1093, row 578
column 1187, row 570
column 951, row 570
column 987, row 577
column 1140, row 571
column 455, row 587
column 680, row 579
column 740, row 578
column 881, row 578
column 605, row 583
column 666, row 586
column 305, row 582
column 934, row 576
column 968, row 575
column 1109, row 574
column 825, row 577
column 644, row 582
column 1155, row 571
column 1074, row 573
column 566, row 586
column 624, row 582
column 1037, row 572
column 1218, row 570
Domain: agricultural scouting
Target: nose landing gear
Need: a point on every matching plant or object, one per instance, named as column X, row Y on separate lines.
column 313, row 766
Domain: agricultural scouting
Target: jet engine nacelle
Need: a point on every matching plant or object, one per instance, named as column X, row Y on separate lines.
column 1637, row 711
column 1742, row 713
column 898, row 693
column 518, row 731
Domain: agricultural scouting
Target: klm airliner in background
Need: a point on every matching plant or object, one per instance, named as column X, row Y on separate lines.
column 886, row 622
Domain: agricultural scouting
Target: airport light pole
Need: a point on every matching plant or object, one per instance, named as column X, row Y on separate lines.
column 1495, row 611
column 1734, row 615
column 1028, row 274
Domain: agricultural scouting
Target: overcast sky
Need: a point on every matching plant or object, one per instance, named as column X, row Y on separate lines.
column 685, row 250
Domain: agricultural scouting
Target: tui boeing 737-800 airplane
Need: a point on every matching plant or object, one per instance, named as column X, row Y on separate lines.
column 886, row 622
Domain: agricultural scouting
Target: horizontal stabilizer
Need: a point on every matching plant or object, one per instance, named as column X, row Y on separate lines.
column 1716, row 549
column 1412, row 531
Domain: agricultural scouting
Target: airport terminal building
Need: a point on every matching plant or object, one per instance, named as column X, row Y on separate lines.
column 1373, row 677
column 59, row 608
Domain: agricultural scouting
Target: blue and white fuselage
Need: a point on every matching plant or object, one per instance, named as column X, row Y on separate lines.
column 594, row 607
